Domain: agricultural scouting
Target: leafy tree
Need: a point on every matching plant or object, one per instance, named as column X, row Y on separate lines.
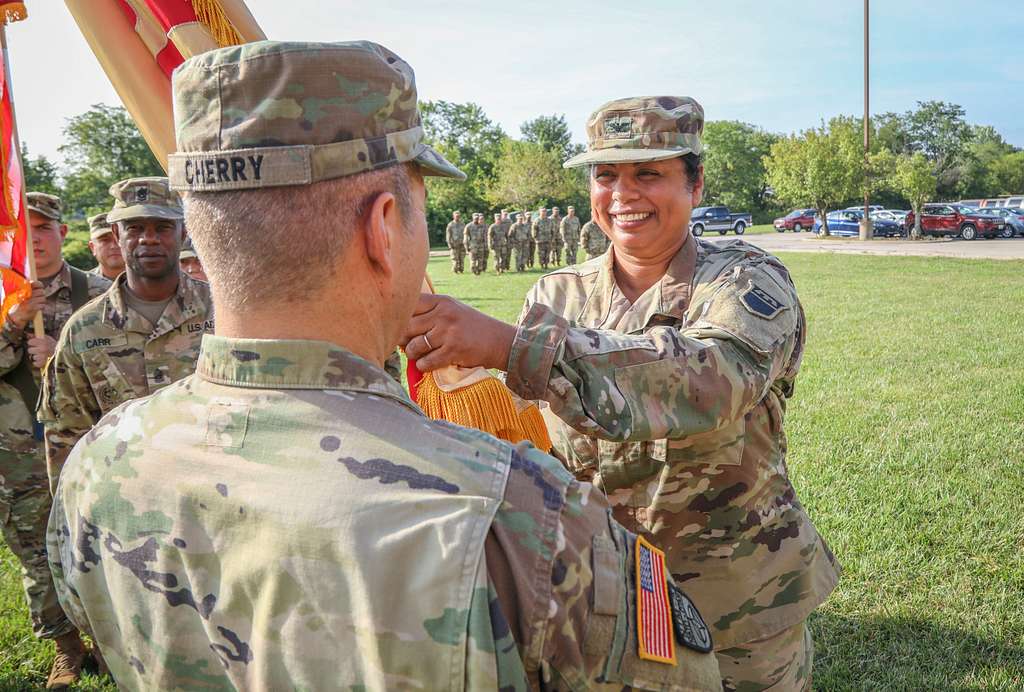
column 102, row 146
column 822, row 167
column 1006, row 174
column 915, row 178
column 464, row 134
column 734, row 173
column 936, row 129
column 530, row 176
column 552, row 133
column 40, row 173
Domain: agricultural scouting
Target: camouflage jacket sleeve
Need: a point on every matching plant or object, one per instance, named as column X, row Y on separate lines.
column 562, row 571
column 67, row 406
column 59, row 553
column 12, row 348
column 740, row 333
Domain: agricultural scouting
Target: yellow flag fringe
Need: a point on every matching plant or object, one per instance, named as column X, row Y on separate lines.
column 12, row 12
column 213, row 17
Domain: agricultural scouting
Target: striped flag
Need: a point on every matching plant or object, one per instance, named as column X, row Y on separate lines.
column 653, row 608
column 140, row 42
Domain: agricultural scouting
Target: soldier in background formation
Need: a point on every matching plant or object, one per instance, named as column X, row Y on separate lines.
column 569, row 232
column 456, row 244
column 270, row 482
column 531, row 246
column 519, row 239
column 474, row 237
column 140, row 336
column 190, row 262
column 104, row 248
column 506, row 224
column 543, row 232
column 556, row 240
column 24, row 492
column 594, row 241
column 497, row 241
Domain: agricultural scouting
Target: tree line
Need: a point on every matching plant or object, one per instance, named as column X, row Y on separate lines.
column 929, row 152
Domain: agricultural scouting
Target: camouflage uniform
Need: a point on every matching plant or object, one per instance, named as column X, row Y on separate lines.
column 506, row 255
column 674, row 406
column 519, row 239
column 475, row 239
column 109, row 354
column 453, row 236
column 531, row 244
column 497, row 242
column 24, row 493
column 569, row 232
column 543, row 232
column 286, row 518
column 593, row 239
column 556, row 240
column 99, row 226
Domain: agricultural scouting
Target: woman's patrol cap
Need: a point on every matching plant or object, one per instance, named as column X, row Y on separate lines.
column 642, row 128
column 276, row 113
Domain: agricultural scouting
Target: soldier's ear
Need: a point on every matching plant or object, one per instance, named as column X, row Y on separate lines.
column 380, row 228
column 698, row 188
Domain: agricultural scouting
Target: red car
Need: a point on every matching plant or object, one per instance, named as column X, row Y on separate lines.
column 796, row 220
column 956, row 219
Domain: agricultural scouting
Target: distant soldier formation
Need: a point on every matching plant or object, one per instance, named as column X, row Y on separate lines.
column 552, row 240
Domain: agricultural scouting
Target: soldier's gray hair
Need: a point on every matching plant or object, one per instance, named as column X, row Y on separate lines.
column 276, row 245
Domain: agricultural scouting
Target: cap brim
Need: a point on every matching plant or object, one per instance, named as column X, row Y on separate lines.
column 43, row 212
column 187, row 254
column 144, row 211
column 611, row 155
column 433, row 163
column 93, row 235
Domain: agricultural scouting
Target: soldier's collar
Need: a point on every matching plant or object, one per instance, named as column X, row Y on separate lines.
column 182, row 307
column 673, row 290
column 292, row 364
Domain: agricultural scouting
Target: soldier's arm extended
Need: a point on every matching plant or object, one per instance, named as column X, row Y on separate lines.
column 563, row 571
column 67, row 405
column 739, row 337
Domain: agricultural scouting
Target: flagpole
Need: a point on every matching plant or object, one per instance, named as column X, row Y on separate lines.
column 37, row 322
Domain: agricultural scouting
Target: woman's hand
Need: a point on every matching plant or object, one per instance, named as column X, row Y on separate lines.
column 444, row 331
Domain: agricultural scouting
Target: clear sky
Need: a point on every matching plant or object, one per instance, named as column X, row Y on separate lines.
column 781, row 64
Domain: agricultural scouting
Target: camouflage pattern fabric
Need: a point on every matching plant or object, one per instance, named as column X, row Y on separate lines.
column 453, row 236
column 474, row 237
column 24, row 492
column 543, row 233
column 497, row 242
column 108, row 354
column 674, row 405
column 593, row 239
column 46, row 204
column 642, row 128
column 569, row 232
column 144, row 198
column 506, row 252
column 99, row 226
column 519, row 240
column 556, row 240
column 233, row 106
column 784, row 661
column 297, row 523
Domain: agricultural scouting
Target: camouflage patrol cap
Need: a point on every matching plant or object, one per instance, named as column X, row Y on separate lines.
column 642, row 128
column 187, row 250
column 98, row 226
column 276, row 113
column 47, row 205
column 144, row 198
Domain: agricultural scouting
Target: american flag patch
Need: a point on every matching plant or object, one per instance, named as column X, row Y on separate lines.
column 653, row 608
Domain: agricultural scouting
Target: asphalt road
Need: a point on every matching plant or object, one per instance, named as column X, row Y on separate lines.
column 999, row 248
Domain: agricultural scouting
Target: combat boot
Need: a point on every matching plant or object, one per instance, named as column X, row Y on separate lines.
column 67, row 665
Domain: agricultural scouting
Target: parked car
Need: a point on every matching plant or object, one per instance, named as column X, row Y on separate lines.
column 796, row 221
column 1015, row 202
column 718, row 219
column 871, row 207
column 1013, row 218
column 897, row 215
column 957, row 219
column 846, row 222
column 994, row 202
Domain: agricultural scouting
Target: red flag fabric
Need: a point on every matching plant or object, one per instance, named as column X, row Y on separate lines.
column 13, row 233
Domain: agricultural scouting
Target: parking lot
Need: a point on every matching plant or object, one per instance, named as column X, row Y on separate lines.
column 1003, row 249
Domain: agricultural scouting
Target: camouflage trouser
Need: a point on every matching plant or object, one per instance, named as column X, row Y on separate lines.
column 521, row 249
column 531, row 252
column 543, row 254
column 458, row 257
column 783, row 662
column 572, row 254
column 479, row 261
column 506, row 257
column 24, row 511
column 499, row 259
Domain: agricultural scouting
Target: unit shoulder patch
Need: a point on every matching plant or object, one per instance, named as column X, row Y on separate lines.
column 689, row 626
column 761, row 303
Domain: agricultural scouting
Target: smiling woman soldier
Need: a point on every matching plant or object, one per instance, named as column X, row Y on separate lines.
column 667, row 363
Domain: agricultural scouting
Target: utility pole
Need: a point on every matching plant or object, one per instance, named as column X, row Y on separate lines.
column 866, row 225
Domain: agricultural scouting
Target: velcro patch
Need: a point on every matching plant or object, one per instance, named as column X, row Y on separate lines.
column 83, row 344
column 618, row 127
column 689, row 626
column 759, row 302
column 653, row 607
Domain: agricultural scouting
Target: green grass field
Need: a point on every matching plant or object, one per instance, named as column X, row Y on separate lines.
column 907, row 448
